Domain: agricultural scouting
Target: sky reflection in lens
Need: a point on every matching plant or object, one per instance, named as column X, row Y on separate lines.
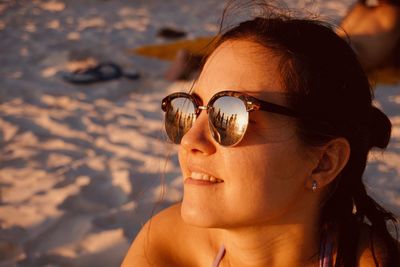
column 228, row 120
column 180, row 117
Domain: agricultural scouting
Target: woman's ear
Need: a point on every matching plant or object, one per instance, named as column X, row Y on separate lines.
column 333, row 157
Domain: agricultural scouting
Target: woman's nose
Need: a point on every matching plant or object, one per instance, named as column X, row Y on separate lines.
column 198, row 139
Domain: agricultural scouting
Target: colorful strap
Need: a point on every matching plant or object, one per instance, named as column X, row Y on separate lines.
column 218, row 258
column 326, row 252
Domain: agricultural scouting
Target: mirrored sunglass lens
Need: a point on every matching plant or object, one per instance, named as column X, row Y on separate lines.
column 179, row 118
column 228, row 120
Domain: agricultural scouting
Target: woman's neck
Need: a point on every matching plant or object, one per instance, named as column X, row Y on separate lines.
column 288, row 245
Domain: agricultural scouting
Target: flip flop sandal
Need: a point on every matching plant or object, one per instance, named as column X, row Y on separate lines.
column 170, row 33
column 102, row 72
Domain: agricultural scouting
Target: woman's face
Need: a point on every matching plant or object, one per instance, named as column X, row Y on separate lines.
column 263, row 177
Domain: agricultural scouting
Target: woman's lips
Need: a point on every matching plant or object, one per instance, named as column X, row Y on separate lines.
column 200, row 178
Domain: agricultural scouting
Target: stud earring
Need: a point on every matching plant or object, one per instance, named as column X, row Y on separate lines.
column 314, row 185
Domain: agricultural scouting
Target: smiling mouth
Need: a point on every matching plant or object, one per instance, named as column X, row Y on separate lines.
column 198, row 176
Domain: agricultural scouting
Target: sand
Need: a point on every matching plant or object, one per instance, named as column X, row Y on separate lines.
column 82, row 167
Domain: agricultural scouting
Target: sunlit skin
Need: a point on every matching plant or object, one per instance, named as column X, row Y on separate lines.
column 264, row 212
column 265, row 176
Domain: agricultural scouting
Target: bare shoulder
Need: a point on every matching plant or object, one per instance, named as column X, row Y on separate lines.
column 165, row 240
column 151, row 245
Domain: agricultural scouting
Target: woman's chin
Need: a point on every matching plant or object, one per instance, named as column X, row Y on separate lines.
column 199, row 216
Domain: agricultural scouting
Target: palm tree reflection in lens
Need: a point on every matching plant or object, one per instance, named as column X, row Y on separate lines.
column 180, row 117
column 228, row 120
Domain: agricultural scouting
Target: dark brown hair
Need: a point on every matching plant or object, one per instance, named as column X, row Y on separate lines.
column 327, row 83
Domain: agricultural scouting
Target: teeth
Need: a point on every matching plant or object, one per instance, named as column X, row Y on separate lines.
column 206, row 177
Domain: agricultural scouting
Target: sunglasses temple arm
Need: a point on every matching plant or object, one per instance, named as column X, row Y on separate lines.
column 274, row 108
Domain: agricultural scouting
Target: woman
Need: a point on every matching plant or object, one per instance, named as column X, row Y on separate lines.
column 374, row 30
column 273, row 142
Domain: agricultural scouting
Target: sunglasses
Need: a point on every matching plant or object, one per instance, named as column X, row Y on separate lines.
column 228, row 114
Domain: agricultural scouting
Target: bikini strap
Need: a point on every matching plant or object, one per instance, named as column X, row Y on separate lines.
column 219, row 257
column 326, row 251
